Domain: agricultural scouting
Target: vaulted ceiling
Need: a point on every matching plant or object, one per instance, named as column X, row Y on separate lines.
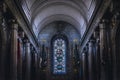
column 42, row 12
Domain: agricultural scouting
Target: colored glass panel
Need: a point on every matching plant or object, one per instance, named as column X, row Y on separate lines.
column 59, row 48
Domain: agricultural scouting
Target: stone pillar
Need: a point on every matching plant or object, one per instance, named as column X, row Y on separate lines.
column 113, row 42
column 27, row 61
column 36, row 63
column 90, row 60
column 2, row 44
column 103, row 50
column 19, row 56
column 33, row 64
column 13, row 53
column 84, row 65
column 1, row 21
column 97, row 55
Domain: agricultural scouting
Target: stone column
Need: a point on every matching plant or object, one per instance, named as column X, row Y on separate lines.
column 1, row 55
column 103, row 50
column 97, row 55
column 36, row 63
column 84, row 65
column 13, row 53
column 2, row 43
column 19, row 56
column 33, row 64
column 90, row 60
column 27, row 61
column 113, row 42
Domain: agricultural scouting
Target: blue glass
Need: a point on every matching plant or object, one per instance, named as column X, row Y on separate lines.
column 59, row 56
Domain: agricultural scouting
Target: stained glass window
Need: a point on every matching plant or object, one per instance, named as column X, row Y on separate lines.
column 59, row 56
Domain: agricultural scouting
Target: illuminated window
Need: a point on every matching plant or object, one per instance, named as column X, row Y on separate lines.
column 59, row 56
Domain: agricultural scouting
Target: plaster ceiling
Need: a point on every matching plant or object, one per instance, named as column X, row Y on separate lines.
column 42, row 12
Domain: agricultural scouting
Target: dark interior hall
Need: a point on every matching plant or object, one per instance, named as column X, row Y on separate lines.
column 59, row 39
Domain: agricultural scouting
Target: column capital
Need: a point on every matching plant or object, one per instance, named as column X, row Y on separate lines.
column 96, row 34
column 102, row 24
column 91, row 41
column 104, row 21
column 26, row 41
column 85, row 50
column 21, row 34
column 115, row 19
column 32, row 48
column 83, row 54
column 14, row 24
column 98, row 40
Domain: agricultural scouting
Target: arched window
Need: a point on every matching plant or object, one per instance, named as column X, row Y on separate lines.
column 59, row 56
